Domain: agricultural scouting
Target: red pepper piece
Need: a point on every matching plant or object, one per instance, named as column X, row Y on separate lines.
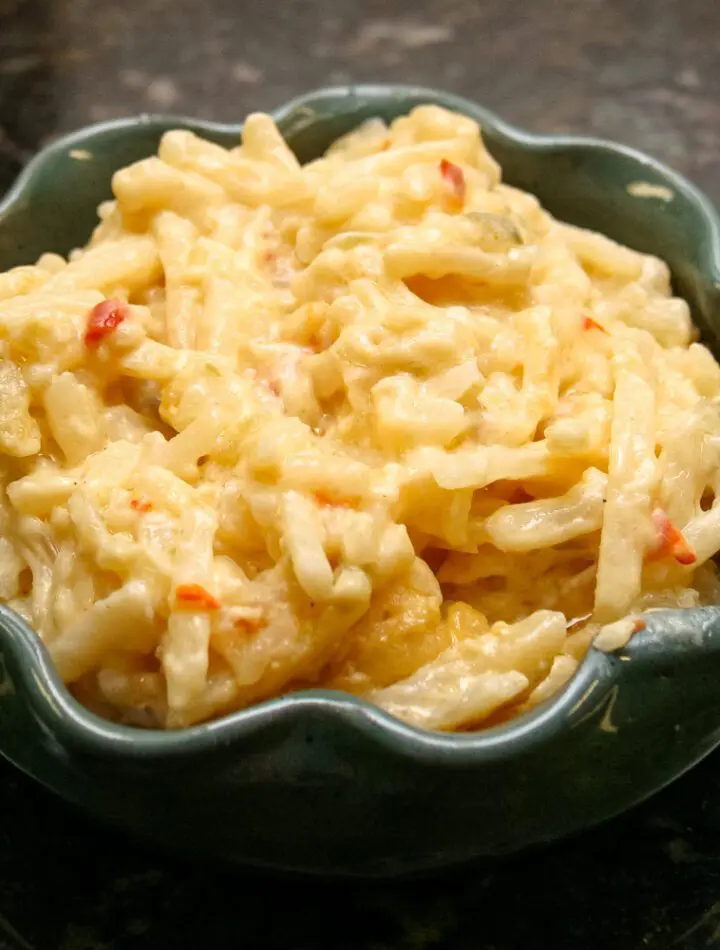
column 103, row 319
column 195, row 596
column 454, row 183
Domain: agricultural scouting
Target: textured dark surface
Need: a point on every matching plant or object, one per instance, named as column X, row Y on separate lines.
column 650, row 881
column 646, row 72
column 642, row 71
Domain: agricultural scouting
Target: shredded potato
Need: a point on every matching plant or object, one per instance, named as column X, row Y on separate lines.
column 377, row 423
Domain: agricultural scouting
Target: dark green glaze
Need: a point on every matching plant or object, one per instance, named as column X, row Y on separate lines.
column 322, row 782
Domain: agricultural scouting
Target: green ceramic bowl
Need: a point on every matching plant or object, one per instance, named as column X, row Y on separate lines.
column 322, row 782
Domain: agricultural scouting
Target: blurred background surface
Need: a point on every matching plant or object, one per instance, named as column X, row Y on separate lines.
column 642, row 71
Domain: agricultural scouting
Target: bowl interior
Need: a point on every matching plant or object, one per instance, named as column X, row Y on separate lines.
column 328, row 762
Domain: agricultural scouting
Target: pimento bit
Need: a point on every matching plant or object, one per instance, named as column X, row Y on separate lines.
column 326, row 500
column 250, row 625
column 672, row 542
column 195, row 597
column 103, row 319
column 454, row 186
column 589, row 324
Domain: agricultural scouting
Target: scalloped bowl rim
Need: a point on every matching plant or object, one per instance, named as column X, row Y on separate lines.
column 57, row 709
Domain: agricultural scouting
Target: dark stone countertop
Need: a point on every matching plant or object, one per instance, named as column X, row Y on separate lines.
column 646, row 72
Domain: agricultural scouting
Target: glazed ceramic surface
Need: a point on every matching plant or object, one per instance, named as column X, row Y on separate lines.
column 319, row 781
